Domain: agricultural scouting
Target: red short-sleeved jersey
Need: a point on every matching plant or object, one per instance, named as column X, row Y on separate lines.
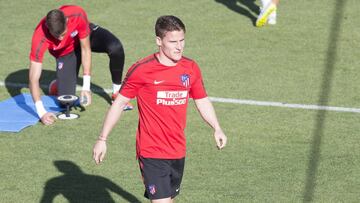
column 162, row 94
column 77, row 28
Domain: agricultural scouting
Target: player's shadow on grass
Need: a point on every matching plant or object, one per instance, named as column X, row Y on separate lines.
column 18, row 80
column 244, row 7
column 318, row 134
column 79, row 187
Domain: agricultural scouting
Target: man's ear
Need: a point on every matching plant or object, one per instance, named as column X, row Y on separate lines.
column 158, row 41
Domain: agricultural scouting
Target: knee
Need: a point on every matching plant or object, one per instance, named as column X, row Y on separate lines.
column 115, row 48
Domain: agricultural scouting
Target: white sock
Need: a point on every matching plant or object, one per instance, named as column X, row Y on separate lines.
column 116, row 88
column 272, row 18
column 265, row 3
column 272, row 15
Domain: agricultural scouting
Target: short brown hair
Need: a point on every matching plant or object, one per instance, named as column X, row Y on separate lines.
column 168, row 23
column 56, row 22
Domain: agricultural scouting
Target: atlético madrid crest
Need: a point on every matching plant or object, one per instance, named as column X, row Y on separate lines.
column 185, row 80
column 152, row 189
column 60, row 65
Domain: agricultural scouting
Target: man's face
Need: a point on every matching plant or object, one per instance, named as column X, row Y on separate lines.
column 62, row 35
column 172, row 45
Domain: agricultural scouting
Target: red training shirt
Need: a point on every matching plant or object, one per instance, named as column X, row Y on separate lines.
column 162, row 94
column 77, row 28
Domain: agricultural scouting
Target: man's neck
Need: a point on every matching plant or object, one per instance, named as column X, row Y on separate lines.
column 164, row 60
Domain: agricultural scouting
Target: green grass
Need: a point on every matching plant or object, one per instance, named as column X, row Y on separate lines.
column 273, row 155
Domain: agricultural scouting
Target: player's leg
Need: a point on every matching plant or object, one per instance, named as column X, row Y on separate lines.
column 158, row 180
column 268, row 7
column 103, row 41
column 66, row 74
column 165, row 200
column 272, row 16
column 264, row 3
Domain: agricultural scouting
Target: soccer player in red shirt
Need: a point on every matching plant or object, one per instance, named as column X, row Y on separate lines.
column 162, row 84
column 70, row 38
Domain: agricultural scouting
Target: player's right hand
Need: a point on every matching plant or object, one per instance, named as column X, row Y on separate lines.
column 85, row 98
column 99, row 151
column 48, row 118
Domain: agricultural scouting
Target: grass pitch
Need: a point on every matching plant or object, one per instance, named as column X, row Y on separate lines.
column 273, row 155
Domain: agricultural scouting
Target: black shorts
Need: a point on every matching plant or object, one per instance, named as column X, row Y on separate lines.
column 162, row 177
column 67, row 69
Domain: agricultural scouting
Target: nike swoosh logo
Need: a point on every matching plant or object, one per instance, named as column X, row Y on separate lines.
column 177, row 190
column 158, row 82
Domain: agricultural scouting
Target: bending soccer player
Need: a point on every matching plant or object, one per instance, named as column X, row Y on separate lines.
column 268, row 13
column 162, row 84
column 70, row 38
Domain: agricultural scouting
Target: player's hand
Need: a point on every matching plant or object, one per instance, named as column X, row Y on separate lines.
column 48, row 118
column 99, row 151
column 220, row 138
column 85, row 98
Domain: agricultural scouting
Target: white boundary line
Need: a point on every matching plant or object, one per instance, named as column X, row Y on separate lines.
column 285, row 105
column 229, row 100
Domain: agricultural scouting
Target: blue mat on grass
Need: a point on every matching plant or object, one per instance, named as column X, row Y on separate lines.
column 19, row 112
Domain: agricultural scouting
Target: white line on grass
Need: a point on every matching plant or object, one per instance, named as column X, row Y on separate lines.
column 285, row 105
column 227, row 100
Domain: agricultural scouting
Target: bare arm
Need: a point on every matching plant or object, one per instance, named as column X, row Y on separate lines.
column 86, row 55
column 85, row 95
column 46, row 118
column 113, row 115
column 207, row 112
column 34, row 77
column 111, row 118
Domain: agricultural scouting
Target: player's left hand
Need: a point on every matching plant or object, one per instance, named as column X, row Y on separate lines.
column 85, row 98
column 220, row 138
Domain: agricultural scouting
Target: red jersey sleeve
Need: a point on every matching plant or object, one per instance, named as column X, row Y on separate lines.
column 197, row 90
column 83, row 26
column 132, row 82
column 39, row 44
